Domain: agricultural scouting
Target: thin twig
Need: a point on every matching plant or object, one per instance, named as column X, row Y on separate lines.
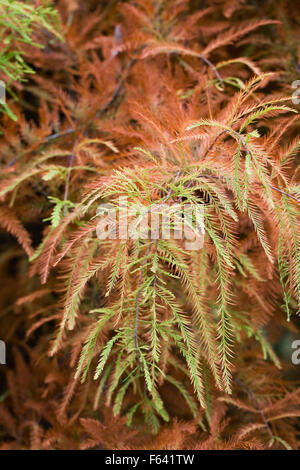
column 171, row 190
column 210, row 64
column 47, row 139
column 207, row 62
column 283, row 192
column 138, row 304
column 256, row 404
column 117, row 89
column 212, row 144
column 57, row 135
column 71, row 161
